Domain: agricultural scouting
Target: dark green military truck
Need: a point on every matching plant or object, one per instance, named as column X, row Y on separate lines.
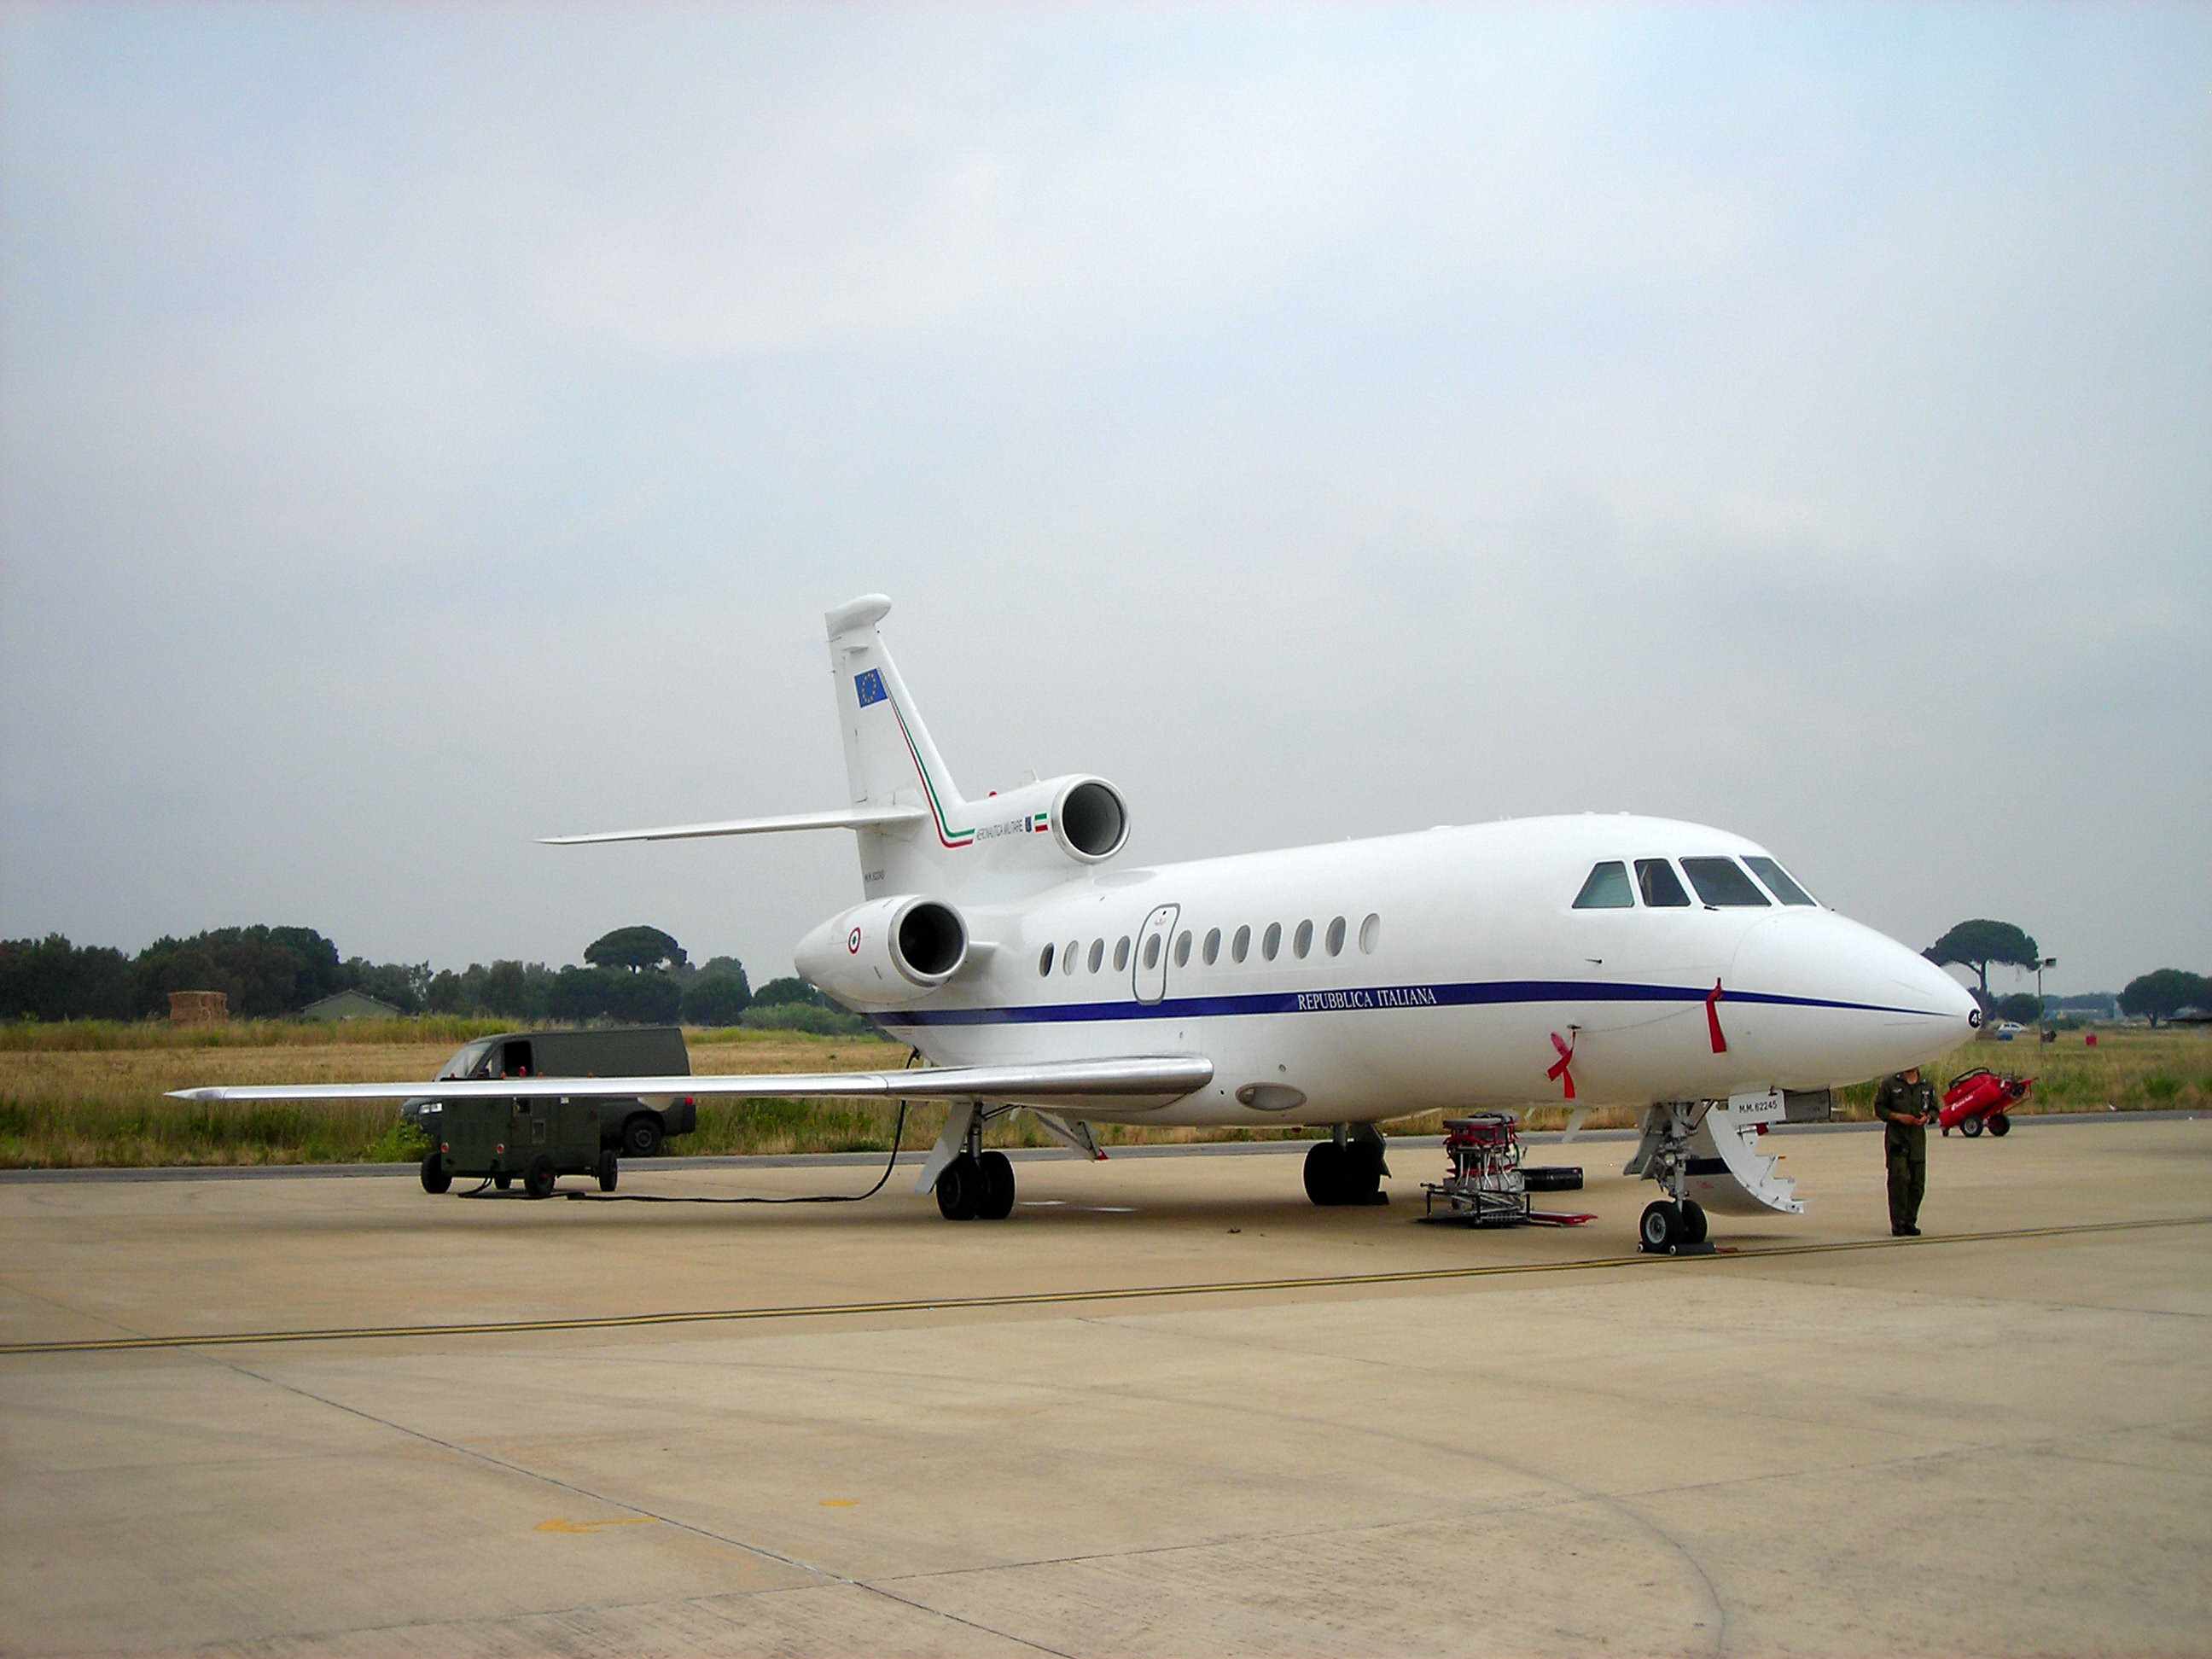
column 625, row 1126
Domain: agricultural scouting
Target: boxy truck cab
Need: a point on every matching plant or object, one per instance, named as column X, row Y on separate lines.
column 628, row 1127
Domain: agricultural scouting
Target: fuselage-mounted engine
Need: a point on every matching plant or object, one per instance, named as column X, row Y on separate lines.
column 885, row 952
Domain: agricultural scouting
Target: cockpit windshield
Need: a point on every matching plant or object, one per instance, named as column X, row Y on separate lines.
column 1777, row 880
column 1660, row 887
column 1607, row 889
column 1722, row 883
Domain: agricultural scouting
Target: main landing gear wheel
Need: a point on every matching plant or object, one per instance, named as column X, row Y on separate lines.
column 976, row 1188
column 436, row 1177
column 1348, row 1174
column 2000, row 1125
column 996, row 1202
column 1971, row 1127
column 1668, row 1226
column 610, row 1172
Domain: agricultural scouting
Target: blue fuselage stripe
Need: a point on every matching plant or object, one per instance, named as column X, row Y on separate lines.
column 1365, row 998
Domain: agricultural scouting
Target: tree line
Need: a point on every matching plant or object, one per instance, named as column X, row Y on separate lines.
column 637, row 974
column 1983, row 943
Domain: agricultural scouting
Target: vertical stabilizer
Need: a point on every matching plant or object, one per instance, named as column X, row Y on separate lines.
column 890, row 760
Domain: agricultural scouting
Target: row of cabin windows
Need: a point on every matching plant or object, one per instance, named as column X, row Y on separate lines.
column 1238, row 944
column 1721, row 884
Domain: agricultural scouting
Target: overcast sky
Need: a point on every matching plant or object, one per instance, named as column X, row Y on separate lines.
column 423, row 429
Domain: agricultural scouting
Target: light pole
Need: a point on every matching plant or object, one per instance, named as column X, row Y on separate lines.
column 2041, row 1012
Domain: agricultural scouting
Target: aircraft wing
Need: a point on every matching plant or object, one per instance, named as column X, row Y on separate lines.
column 1135, row 1083
column 849, row 817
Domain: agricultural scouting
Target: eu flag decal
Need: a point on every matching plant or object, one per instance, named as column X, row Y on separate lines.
column 870, row 686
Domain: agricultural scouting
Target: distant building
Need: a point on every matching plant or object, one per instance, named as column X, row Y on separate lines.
column 198, row 1007
column 351, row 1005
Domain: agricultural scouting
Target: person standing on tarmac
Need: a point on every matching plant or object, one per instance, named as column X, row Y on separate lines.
column 1905, row 1105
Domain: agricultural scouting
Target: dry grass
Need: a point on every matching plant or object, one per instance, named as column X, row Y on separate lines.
column 73, row 1103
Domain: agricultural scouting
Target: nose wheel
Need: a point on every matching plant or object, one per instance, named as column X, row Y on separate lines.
column 1676, row 1224
column 1671, row 1226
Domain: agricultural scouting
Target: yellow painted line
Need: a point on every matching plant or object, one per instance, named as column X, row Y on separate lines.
column 558, row 1524
column 1051, row 1299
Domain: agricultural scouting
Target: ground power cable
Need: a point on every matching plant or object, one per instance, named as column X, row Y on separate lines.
column 898, row 1133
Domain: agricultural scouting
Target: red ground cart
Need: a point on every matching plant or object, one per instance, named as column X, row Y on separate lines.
column 1982, row 1097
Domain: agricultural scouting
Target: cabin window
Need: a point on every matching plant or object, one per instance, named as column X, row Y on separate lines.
column 1607, row 889
column 1097, row 953
column 1044, row 962
column 1121, row 953
column 1336, row 937
column 1272, row 940
column 1240, row 946
column 1371, row 935
column 1302, row 941
column 1777, row 880
column 1152, row 952
column 1660, row 887
column 1068, row 956
column 1183, row 948
column 1722, row 883
column 1213, row 952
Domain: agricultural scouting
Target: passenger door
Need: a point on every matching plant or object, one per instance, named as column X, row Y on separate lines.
column 1148, row 965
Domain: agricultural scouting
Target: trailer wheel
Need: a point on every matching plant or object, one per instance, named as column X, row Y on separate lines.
column 436, row 1177
column 539, row 1181
column 2000, row 1124
column 641, row 1135
column 1970, row 1127
column 610, row 1170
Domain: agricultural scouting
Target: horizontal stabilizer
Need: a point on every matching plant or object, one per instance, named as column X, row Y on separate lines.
column 1127, row 1082
column 849, row 817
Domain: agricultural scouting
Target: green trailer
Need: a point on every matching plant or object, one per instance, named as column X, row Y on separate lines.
column 503, row 1139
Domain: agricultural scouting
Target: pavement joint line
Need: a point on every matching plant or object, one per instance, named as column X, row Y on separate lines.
column 1052, row 1299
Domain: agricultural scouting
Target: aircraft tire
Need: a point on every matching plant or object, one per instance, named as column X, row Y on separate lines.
column 1660, row 1230
column 997, row 1201
column 610, row 1172
column 960, row 1189
column 436, row 1177
column 1970, row 1127
column 2000, row 1124
column 538, row 1180
column 641, row 1135
column 1694, row 1222
column 1325, row 1182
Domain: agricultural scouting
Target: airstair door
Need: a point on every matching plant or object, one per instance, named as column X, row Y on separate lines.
column 1150, row 964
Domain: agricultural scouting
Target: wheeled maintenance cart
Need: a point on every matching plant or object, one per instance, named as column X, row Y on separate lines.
column 1485, row 1187
column 538, row 1141
column 1981, row 1098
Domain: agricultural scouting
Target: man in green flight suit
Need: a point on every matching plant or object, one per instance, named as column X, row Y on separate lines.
column 1906, row 1106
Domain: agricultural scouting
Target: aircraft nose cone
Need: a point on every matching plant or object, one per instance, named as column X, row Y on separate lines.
column 1872, row 1004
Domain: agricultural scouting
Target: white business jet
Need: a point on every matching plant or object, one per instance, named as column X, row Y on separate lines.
column 1594, row 960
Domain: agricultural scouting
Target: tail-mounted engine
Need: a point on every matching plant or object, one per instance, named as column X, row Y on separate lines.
column 1047, row 825
column 887, row 952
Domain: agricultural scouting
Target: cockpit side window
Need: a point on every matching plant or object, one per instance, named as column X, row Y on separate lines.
column 1660, row 887
column 1607, row 889
column 1722, row 883
column 1777, row 880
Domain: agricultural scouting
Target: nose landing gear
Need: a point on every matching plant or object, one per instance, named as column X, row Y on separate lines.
column 1676, row 1224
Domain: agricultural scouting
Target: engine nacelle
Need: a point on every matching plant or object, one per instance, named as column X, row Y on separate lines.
column 886, row 952
column 1076, row 817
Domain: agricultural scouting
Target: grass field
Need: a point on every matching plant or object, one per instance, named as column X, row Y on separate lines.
column 92, row 1094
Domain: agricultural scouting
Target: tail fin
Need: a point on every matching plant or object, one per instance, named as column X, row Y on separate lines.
column 890, row 760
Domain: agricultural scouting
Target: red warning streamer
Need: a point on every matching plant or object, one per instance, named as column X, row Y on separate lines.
column 1558, row 1071
column 1713, row 1018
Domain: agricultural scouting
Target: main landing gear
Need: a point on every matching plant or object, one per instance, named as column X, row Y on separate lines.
column 1348, row 1168
column 977, row 1185
column 1674, row 1225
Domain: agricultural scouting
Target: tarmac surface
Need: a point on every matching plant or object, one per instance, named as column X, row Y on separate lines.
column 1167, row 1408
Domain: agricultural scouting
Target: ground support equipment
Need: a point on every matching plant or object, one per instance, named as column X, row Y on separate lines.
column 1981, row 1098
